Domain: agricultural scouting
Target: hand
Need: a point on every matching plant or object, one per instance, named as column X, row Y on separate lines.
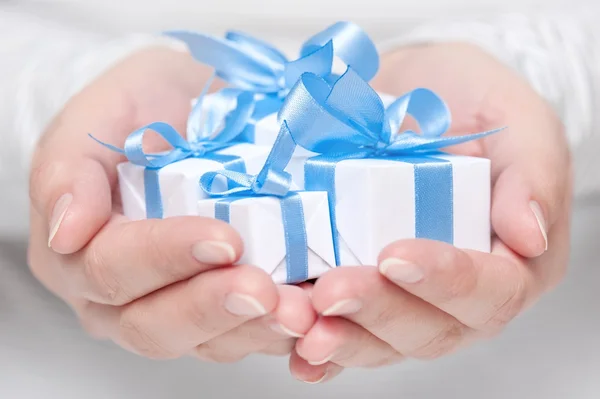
column 427, row 298
column 160, row 288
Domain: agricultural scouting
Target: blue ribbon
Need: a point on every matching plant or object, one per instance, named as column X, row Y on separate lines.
column 271, row 181
column 202, row 142
column 251, row 64
column 255, row 66
column 348, row 121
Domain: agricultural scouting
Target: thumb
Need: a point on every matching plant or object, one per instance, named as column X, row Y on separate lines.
column 531, row 163
column 73, row 196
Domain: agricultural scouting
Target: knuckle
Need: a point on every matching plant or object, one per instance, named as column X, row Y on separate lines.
column 282, row 348
column 443, row 342
column 101, row 281
column 461, row 279
column 136, row 337
column 387, row 319
column 169, row 264
column 502, row 314
column 41, row 173
column 207, row 352
column 200, row 317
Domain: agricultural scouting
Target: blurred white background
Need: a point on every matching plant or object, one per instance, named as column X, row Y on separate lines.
column 285, row 17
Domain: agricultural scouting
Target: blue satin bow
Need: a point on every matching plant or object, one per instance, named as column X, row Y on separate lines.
column 348, row 121
column 349, row 118
column 251, row 64
column 271, row 181
column 202, row 143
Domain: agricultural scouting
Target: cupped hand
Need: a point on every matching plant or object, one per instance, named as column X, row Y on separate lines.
column 160, row 288
column 427, row 299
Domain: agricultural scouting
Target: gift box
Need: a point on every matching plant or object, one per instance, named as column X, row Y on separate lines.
column 385, row 184
column 178, row 181
column 260, row 223
column 379, row 201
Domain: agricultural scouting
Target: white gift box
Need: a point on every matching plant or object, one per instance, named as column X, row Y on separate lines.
column 179, row 182
column 376, row 204
column 259, row 222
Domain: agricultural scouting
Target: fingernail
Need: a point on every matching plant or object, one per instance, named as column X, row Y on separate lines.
column 321, row 362
column 244, row 305
column 58, row 214
column 283, row 330
column 320, row 380
column 347, row 306
column 539, row 216
column 213, row 252
column 401, row 271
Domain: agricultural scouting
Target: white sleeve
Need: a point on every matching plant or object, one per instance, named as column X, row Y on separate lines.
column 43, row 64
column 559, row 54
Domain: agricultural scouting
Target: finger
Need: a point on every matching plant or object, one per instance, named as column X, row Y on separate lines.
column 309, row 374
column 72, row 174
column 483, row 291
column 408, row 324
column 340, row 341
column 171, row 322
column 127, row 260
column 73, row 197
column 525, row 206
column 292, row 318
column 279, row 348
column 531, row 171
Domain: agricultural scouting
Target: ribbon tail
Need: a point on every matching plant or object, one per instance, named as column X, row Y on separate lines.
column 232, row 62
column 109, row 146
column 412, row 143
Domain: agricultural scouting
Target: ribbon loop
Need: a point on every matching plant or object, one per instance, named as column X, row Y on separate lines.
column 348, row 118
column 352, row 45
column 252, row 64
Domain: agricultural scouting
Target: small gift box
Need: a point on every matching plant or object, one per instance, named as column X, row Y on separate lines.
column 385, row 185
column 166, row 184
column 261, row 223
column 178, row 181
column 378, row 201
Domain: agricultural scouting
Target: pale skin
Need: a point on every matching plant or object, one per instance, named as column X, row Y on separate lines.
column 165, row 288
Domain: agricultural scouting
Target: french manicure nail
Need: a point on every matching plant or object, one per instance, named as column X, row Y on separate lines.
column 322, row 361
column 283, row 330
column 347, row 306
column 539, row 216
column 320, row 380
column 213, row 252
column 58, row 214
column 244, row 305
column 401, row 271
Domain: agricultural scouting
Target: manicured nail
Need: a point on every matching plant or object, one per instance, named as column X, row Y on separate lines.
column 283, row 330
column 244, row 305
column 58, row 214
column 320, row 380
column 539, row 216
column 347, row 306
column 401, row 271
column 213, row 252
column 322, row 361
